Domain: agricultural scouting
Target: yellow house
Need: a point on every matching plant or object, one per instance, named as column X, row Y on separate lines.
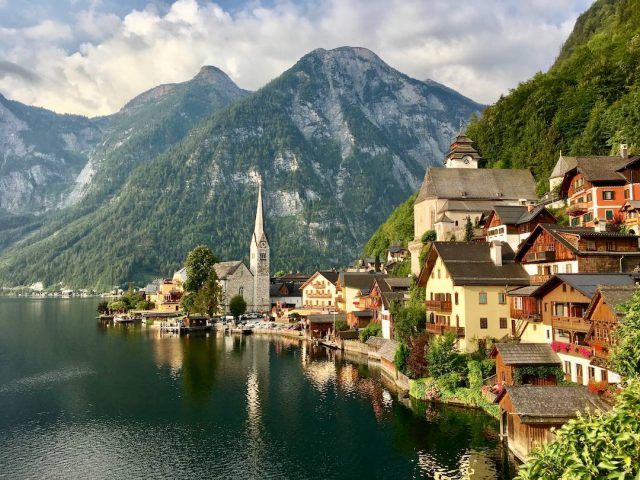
column 319, row 291
column 466, row 285
column 351, row 287
column 167, row 298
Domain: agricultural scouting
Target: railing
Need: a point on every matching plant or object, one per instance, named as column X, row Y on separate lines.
column 490, row 381
column 542, row 256
column 440, row 329
column 525, row 315
column 577, row 208
column 539, row 279
column 600, row 348
column 319, row 295
column 576, row 324
column 438, row 305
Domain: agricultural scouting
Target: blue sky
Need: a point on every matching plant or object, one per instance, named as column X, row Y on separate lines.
column 91, row 56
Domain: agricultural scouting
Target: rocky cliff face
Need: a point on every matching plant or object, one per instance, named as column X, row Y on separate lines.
column 338, row 140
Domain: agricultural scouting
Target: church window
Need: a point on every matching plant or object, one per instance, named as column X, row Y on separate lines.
column 241, row 291
column 263, row 255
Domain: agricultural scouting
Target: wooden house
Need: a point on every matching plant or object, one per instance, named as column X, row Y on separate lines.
column 513, row 223
column 528, row 413
column 512, row 356
column 553, row 249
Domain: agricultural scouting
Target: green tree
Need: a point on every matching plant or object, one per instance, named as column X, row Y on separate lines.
column 442, row 356
column 208, row 299
column 199, row 265
column 117, row 305
column 408, row 320
column 280, row 274
column 468, row 230
column 237, row 305
column 626, row 353
column 401, row 355
column 429, row 236
column 593, row 446
column 103, row 307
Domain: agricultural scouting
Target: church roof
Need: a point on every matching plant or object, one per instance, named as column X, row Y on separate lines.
column 226, row 269
column 478, row 183
column 460, row 147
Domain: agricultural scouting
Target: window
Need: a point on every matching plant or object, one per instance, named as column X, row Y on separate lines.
column 611, row 246
column 502, row 298
column 241, row 291
column 579, row 372
column 483, row 298
column 608, row 214
column 554, row 269
column 548, row 335
column 591, row 245
column 567, row 367
column 503, row 322
column 608, row 195
column 604, row 375
column 263, row 255
column 589, row 197
column 455, row 296
column 627, row 193
column 592, row 373
column 568, row 268
column 558, row 309
column 484, row 324
column 564, row 287
column 587, row 217
column 438, row 273
column 574, row 221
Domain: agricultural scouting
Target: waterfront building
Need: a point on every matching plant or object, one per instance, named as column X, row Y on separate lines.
column 386, row 291
column 234, row 279
column 512, row 356
column 466, row 286
column 167, row 297
column 460, row 190
column 319, row 291
column 513, row 223
column 529, row 413
column 553, row 249
column 352, row 290
column 285, row 294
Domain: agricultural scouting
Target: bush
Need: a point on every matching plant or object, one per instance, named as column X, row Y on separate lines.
column 371, row 330
column 474, row 375
column 442, row 356
column 400, row 357
column 429, row 236
column 341, row 325
column 424, row 389
column 416, row 365
column 237, row 305
column 450, row 381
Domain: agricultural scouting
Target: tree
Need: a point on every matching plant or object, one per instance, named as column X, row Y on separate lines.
column 103, row 307
column 442, row 356
column 593, row 446
column 280, row 274
column 429, row 236
column 400, row 357
column 199, row 265
column 408, row 320
column 207, row 300
column 237, row 305
column 626, row 353
column 117, row 305
column 468, row 230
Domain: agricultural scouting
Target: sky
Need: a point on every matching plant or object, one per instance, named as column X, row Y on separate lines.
column 91, row 56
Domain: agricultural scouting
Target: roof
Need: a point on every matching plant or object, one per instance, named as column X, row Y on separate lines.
column 398, row 282
column 466, row 206
column 363, row 313
column 326, row 317
column 388, row 297
column 558, row 232
column 293, row 289
column 552, row 403
column 388, row 349
column 225, row 269
column 517, row 214
column 461, row 147
column 397, row 249
column 469, row 263
column 585, row 283
column 375, row 343
column 359, row 280
column 527, row 354
column 330, row 275
column 477, row 183
column 523, row 291
column 563, row 165
column 630, row 205
column 600, row 169
column 613, row 296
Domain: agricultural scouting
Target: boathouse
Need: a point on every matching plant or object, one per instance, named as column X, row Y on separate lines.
column 525, row 363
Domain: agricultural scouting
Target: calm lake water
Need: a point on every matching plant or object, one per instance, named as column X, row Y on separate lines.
column 81, row 400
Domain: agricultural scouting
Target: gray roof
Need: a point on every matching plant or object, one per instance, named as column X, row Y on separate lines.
column 359, row 280
column 363, row 313
column 326, row 317
column 585, row 283
column 478, row 183
column 467, row 206
column 469, row 263
column 388, row 349
column 398, row 282
column 601, row 169
column 517, row 214
column 552, row 403
column 225, row 269
column 527, row 354
column 388, row 297
column 563, row 165
column 375, row 343
column 397, row 249
column 523, row 291
column 616, row 295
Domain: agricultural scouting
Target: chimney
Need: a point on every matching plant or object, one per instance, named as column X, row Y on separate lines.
column 530, row 207
column 496, row 253
column 624, row 150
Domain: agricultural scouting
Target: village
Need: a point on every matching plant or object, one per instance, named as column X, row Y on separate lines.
column 526, row 289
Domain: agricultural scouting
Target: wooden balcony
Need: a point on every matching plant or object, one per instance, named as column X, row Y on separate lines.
column 539, row 279
column 574, row 324
column 438, row 305
column 319, row 295
column 541, row 256
column 525, row 315
column 578, row 208
column 440, row 329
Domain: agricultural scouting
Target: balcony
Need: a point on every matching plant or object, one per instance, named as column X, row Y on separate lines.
column 539, row 279
column 440, row 329
column 319, row 295
column 438, row 305
column 574, row 350
column 525, row 315
column 574, row 324
column 576, row 209
column 541, row 256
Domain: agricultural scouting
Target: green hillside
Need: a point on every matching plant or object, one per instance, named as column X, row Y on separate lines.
column 397, row 228
column 586, row 104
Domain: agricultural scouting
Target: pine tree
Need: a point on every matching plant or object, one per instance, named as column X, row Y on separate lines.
column 468, row 230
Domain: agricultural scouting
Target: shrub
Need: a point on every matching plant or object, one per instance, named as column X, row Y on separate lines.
column 474, row 375
column 341, row 325
column 371, row 330
column 429, row 236
column 416, row 366
column 103, row 307
column 449, row 381
column 442, row 356
column 424, row 389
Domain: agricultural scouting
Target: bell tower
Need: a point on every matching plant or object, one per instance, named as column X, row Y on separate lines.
column 462, row 153
column 259, row 262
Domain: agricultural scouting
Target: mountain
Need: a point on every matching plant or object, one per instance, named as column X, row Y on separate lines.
column 338, row 140
column 397, row 228
column 586, row 104
column 40, row 154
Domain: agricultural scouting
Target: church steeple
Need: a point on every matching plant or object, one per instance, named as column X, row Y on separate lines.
column 259, row 261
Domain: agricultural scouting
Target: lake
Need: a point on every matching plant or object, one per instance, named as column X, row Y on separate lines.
column 85, row 400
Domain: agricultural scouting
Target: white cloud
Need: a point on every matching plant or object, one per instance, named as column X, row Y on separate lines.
column 101, row 61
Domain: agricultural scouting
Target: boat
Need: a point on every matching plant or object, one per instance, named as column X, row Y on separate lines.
column 104, row 317
column 123, row 319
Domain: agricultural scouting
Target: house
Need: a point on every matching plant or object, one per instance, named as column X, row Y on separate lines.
column 466, row 286
column 528, row 413
column 352, row 290
column 513, row 223
column 386, row 291
column 603, row 316
column 596, row 187
column 630, row 213
column 319, row 325
column 167, row 297
column 397, row 253
column 235, row 279
column 285, row 294
column 528, row 357
column 564, row 301
column 460, row 190
column 524, row 314
column 552, row 249
column 319, row 291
